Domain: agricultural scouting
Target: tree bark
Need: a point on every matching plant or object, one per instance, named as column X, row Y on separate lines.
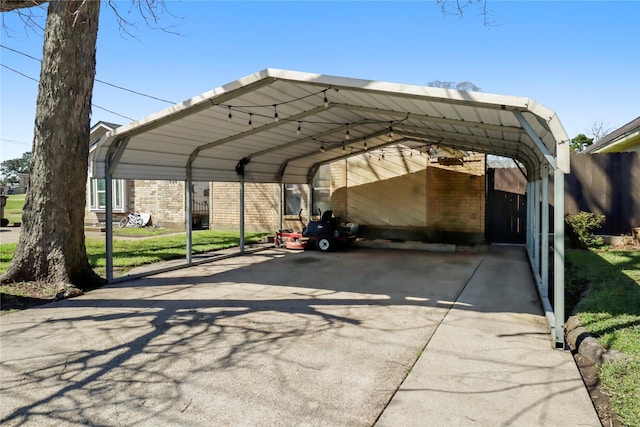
column 51, row 247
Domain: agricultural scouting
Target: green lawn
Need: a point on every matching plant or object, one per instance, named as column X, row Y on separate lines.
column 13, row 209
column 132, row 253
column 610, row 310
column 141, row 232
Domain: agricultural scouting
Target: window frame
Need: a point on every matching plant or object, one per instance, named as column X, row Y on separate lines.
column 292, row 190
column 119, row 195
column 321, row 184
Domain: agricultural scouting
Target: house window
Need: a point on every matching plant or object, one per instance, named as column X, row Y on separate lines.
column 98, row 195
column 322, row 189
column 292, row 199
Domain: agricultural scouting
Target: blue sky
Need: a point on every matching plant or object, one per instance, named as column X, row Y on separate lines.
column 579, row 58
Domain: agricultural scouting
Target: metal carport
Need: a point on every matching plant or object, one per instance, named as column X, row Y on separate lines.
column 279, row 126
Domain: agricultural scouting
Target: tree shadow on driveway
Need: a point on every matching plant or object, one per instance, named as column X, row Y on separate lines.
column 266, row 339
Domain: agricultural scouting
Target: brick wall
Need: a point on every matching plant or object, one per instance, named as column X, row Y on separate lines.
column 456, row 196
column 164, row 200
column 402, row 190
column 260, row 212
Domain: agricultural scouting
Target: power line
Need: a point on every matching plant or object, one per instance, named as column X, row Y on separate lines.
column 97, row 80
column 93, row 105
column 13, row 141
column 18, row 72
column 112, row 112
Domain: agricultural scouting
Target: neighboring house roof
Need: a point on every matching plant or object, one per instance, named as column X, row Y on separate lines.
column 625, row 138
column 100, row 129
column 280, row 126
column 97, row 133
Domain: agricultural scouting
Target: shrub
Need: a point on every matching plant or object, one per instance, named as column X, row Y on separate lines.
column 580, row 229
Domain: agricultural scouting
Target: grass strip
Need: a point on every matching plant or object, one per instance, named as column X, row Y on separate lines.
column 133, row 253
column 610, row 311
column 13, row 208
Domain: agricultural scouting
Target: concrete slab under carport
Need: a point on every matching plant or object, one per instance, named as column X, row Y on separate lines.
column 274, row 338
column 489, row 362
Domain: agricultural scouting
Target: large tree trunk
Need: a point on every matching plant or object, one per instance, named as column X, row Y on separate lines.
column 51, row 246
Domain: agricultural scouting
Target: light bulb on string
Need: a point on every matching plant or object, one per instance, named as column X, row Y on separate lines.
column 347, row 135
column 390, row 133
column 275, row 113
column 230, row 116
column 365, row 145
column 343, row 147
column 322, row 146
column 250, row 120
column 325, row 101
column 299, row 128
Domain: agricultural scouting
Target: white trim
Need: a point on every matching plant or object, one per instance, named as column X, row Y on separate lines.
column 120, row 191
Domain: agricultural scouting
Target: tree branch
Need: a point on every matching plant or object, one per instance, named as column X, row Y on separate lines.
column 9, row 5
column 458, row 8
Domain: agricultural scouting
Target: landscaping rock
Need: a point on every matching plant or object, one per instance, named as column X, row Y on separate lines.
column 581, row 341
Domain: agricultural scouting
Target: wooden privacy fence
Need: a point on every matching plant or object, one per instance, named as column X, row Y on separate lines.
column 607, row 183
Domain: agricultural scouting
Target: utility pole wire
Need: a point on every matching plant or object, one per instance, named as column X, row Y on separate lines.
column 93, row 105
column 97, row 80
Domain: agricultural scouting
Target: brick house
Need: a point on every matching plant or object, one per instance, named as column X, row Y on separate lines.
column 400, row 192
column 164, row 200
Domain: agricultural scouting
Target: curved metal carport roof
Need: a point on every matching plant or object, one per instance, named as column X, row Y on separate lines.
column 280, row 126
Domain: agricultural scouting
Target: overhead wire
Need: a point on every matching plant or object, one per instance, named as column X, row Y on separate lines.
column 235, row 108
column 93, row 105
column 97, row 80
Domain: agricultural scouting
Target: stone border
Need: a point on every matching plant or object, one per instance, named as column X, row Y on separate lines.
column 580, row 340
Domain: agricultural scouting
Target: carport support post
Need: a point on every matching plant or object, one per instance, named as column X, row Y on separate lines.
column 309, row 192
column 530, row 220
column 280, row 185
column 558, row 256
column 188, row 215
column 532, row 225
column 536, row 225
column 241, row 213
column 108, row 195
column 544, row 274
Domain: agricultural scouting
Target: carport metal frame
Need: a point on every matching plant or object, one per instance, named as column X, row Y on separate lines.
column 157, row 147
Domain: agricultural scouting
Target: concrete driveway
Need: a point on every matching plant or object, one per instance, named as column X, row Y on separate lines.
column 280, row 338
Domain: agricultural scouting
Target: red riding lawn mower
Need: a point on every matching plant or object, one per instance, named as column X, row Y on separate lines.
column 325, row 235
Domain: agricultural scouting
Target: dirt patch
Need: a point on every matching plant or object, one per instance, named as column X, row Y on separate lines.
column 589, row 372
column 20, row 296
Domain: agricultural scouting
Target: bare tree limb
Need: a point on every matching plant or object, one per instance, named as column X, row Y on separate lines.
column 9, row 5
column 598, row 130
column 149, row 10
column 459, row 7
